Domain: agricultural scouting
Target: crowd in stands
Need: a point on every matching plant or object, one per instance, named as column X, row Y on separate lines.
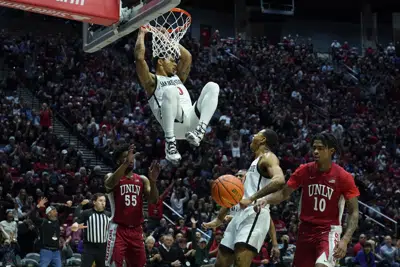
column 283, row 86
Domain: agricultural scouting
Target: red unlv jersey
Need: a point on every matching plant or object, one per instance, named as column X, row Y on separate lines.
column 324, row 193
column 127, row 201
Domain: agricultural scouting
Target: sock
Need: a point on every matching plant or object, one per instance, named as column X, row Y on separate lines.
column 207, row 104
column 169, row 109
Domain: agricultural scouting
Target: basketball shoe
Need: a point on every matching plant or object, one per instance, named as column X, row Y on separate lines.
column 171, row 151
column 194, row 137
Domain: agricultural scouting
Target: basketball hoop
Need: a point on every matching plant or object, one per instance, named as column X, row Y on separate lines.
column 168, row 30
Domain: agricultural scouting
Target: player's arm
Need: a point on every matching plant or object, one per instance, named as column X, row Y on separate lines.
column 272, row 234
column 218, row 220
column 146, row 78
column 279, row 196
column 350, row 193
column 352, row 223
column 184, row 65
column 295, row 181
column 111, row 180
column 269, row 166
column 150, row 189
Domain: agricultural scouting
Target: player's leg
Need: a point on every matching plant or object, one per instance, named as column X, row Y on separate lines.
column 305, row 253
column 135, row 255
column 244, row 255
column 325, row 247
column 116, row 246
column 206, row 106
column 171, row 111
column 251, row 235
column 225, row 257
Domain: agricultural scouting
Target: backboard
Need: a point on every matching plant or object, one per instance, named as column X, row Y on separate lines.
column 103, row 12
column 95, row 38
column 278, row 7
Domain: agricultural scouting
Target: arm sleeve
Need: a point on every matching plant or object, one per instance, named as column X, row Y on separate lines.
column 296, row 179
column 78, row 211
column 348, row 186
column 83, row 216
column 34, row 217
column 63, row 217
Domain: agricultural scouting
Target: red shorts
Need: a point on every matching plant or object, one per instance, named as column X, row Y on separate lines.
column 125, row 243
column 315, row 244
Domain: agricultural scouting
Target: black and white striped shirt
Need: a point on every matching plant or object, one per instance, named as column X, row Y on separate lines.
column 97, row 225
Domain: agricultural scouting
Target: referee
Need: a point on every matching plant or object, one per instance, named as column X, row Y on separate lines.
column 95, row 222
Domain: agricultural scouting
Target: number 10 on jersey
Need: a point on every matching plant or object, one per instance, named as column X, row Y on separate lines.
column 130, row 200
column 319, row 204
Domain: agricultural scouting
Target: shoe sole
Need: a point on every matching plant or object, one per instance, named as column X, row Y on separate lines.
column 191, row 139
column 173, row 161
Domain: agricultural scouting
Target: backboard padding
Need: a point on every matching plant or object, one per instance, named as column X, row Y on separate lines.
column 142, row 14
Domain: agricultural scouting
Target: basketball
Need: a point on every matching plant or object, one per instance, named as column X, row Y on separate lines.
column 227, row 191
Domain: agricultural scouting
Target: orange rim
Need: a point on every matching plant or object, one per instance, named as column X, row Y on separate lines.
column 180, row 28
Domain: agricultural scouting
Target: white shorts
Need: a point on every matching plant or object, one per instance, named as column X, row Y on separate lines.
column 190, row 120
column 247, row 227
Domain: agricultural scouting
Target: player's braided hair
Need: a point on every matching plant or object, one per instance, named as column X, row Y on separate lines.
column 155, row 59
column 271, row 138
column 119, row 151
column 328, row 140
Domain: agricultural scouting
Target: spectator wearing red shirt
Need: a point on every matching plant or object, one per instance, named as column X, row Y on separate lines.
column 280, row 226
column 181, row 227
column 213, row 253
column 45, row 117
column 357, row 247
column 156, row 210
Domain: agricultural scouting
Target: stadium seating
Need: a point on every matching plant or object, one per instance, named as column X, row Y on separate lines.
column 287, row 86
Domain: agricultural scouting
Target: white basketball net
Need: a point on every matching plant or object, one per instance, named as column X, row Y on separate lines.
column 168, row 30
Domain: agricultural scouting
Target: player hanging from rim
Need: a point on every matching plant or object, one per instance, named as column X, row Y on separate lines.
column 327, row 187
column 246, row 232
column 170, row 100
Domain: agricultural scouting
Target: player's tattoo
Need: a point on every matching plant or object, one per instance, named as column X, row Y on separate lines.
column 272, row 187
column 269, row 166
column 238, row 261
column 185, row 64
column 352, row 224
column 184, row 73
column 140, row 49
